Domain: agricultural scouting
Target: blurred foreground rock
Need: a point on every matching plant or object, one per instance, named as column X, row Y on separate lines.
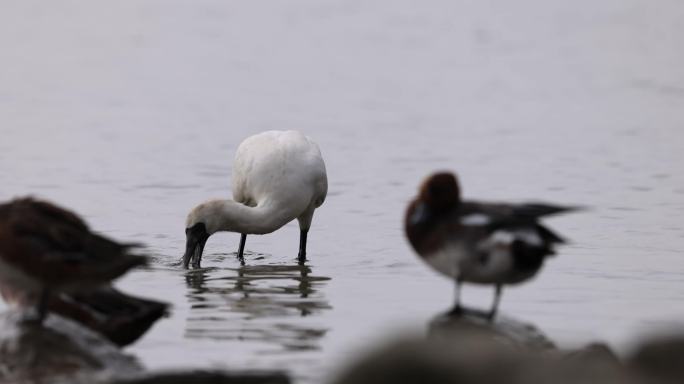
column 470, row 350
column 207, row 377
column 660, row 360
column 464, row 350
column 59, row 351
column 505, row 331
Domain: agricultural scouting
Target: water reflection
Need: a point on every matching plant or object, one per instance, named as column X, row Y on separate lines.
column 257, row 303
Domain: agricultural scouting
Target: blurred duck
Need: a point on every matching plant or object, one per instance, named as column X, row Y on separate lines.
column 278, row 176
column 46, row 250
column 478, row 242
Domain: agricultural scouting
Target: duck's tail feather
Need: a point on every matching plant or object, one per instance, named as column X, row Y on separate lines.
column 535, row 210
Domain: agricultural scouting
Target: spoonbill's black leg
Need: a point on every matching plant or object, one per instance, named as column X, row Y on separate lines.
column 241, row 250
column 457, row 310
column 495, row 306
column 302, row 246
column 197, row 260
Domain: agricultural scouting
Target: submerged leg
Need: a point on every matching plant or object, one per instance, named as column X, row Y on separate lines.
column 241, row 249
column 302, row 246
column 457, row 310
column 495, row 306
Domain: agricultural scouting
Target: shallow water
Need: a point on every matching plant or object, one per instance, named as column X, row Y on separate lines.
column 129, row 112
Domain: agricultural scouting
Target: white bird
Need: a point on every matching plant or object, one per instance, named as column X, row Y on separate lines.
column 278, row 176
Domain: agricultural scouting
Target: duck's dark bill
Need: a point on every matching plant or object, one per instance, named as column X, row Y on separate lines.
column 196, row 236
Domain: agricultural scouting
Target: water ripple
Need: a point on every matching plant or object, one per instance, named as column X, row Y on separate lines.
column 255, row 303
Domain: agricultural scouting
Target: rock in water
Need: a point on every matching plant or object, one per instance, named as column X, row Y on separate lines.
column 470, row 350
column 59, row 351
column 412, row 360
column 661, row 358
column 505, row 330
column 207, row 377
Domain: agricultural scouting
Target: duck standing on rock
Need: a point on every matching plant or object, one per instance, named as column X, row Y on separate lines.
column 477, row 242
column 278, row 176
column 46, row 250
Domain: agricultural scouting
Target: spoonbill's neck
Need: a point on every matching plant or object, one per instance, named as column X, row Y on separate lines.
column 263, row 218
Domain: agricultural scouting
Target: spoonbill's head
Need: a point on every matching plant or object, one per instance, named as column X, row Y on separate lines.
column 199, row 225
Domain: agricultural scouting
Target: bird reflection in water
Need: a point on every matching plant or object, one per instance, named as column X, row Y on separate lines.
column 274, row 304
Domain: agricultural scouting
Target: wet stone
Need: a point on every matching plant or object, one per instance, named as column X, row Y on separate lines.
column 505, row 330
column 469, row 349
column 58, row 351
column 207, row 377
column 661, row 359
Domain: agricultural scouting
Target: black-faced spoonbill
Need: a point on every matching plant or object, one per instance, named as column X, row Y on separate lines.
column 278, row 176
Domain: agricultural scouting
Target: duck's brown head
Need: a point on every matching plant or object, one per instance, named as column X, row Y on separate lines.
column 438, row 197
column 440, row 191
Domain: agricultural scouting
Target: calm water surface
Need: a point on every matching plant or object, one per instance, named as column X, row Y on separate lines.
column 130, row 112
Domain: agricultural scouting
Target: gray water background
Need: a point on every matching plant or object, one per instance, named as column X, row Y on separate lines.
column 129, row 112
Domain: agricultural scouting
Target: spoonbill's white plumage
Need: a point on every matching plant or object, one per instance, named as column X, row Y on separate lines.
column 278, row 176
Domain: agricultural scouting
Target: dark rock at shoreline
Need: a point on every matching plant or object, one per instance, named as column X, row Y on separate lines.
column 418, row 361
column 471, row 350
column 505, row 330
column 477, row 361
column 57, row 351
column 62, row 351
column 660, row 359
column 207, row 377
